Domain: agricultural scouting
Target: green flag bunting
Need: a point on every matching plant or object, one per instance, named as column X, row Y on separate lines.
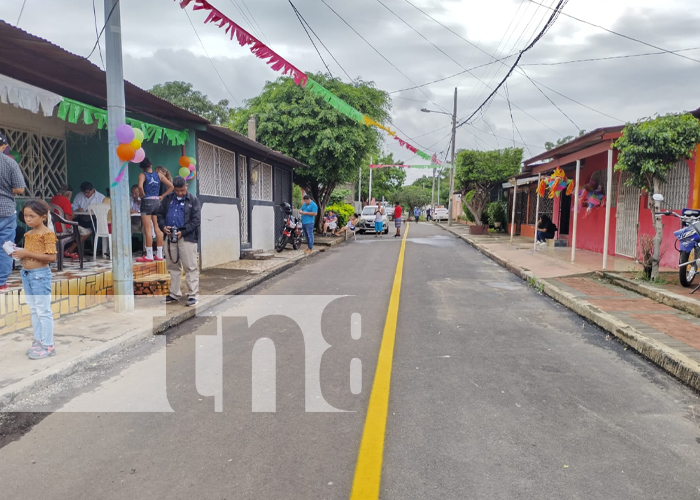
column 334, row 101
column 72, row 111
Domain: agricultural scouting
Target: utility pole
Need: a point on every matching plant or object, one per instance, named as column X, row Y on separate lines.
column 452, row 167
column 359, row 188
column 122, row 272
column 432, row 193
column 438, row 198
column 369, row 198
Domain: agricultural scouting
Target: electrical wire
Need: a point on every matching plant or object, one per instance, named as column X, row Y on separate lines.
column 97, row 42
column 210, row 59
column 607, row 58
column 309, row 35
column 621, row 35
column 252, row 29
column 550, row 100
column 20, row 13
column 255, row 21
column 94, row 15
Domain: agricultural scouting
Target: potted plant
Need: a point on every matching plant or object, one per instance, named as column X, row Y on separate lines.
column 496, row 212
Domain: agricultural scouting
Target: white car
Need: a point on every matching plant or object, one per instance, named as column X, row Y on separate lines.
column 440, row 213
column 366, row 223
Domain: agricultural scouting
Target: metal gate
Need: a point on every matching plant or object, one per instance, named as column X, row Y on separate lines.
column 243, row 195
column 282, row 194
column 627, row 218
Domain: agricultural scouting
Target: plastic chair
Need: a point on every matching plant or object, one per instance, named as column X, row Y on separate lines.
column 72, row 235
column 98, row 214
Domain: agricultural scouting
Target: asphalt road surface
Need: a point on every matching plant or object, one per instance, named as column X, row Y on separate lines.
column 496, row 393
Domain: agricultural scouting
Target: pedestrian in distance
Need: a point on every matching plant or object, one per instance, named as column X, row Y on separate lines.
column 416, row 214
column 378, row 220
column 308, row 218
column 427, row 214
column 38, row 252
column 11, row 184
column 397, row 220
column 179, row 217
column 149, row 189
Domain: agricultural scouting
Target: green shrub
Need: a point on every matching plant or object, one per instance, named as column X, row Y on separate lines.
column 468, row 216
column 344, row 212
column 339, row 196
column 496, row 212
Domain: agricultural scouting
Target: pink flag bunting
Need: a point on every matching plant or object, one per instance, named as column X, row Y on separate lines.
column 259, row 49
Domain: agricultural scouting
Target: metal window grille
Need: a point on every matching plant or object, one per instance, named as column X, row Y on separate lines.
column 217, row 171
column 261, row 181
column 43, row 161
column 532, row 194
column 266, row 182
column 676, row 191
column 243, row 183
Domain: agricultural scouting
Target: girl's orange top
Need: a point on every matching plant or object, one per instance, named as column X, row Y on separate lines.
column 40, row 243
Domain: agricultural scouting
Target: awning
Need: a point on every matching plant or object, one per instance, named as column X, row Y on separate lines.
column 521, row 182
column 25, row 96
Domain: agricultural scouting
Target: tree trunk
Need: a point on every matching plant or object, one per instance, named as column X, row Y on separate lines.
column 658, row 226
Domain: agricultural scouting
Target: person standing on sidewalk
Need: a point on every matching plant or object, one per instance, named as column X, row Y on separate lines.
column 11, row 184
column 379, row 220
column 398, row 211
column 38, row 252
column 308, row 218
column 149, row 188
column 179, row 217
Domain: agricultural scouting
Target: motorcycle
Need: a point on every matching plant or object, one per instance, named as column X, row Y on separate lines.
column 291, row 231
column 687, row 243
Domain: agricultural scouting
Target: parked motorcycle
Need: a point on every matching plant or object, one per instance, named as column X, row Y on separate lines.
column 687, row 243
column 291, row 231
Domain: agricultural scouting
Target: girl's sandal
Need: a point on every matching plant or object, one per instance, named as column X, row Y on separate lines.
column 44, row 352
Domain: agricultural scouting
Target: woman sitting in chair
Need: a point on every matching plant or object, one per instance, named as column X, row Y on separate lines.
column 61, row 205
column 350, row 226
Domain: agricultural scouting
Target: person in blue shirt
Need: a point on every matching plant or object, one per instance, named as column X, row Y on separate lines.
column 308, row 217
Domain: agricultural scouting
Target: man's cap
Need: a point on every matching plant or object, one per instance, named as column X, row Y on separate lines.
column 3, row 139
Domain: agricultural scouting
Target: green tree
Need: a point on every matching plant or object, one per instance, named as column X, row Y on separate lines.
column 183, row 95
column 303, row 126
column 478, row 172
column 412, row 196
column 550, row 145
column 648, row 150
column 385, row 181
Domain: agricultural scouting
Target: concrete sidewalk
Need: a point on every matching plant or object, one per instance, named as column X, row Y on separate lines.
column 661, row 322
column 83, row 338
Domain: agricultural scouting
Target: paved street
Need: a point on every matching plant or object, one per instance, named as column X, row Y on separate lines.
column 496, row 392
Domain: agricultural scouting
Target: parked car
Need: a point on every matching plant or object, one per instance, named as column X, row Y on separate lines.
column 389, row 212
column 440, row 213
column 366, row 223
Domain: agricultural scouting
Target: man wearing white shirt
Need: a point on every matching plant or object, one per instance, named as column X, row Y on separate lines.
column 86, row 197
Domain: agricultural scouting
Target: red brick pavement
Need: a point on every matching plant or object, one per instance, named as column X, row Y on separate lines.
column 591, row 288
column 673, row 326
column 628, row 305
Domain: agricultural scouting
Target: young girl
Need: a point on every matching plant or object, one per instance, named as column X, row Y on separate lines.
column 150, row 190
column 38, row 252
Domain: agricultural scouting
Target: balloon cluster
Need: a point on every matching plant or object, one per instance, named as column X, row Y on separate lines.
column 130, row 140
column 591, row 196
column 187, row 164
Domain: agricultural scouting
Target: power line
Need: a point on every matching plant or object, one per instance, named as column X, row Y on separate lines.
column 621, row 35
column 243, row 15
column 607, row 58
column 20, row 13
column 380, row 54
column 551, row 101
column 94, row 15
column 97, row 42
column 309, row 35
column 548, row 24
column 255, row 21
column 210, row 59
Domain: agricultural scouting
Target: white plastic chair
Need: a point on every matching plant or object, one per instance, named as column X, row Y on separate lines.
column 98, row 212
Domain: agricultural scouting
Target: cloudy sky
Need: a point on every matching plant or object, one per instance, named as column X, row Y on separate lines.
column 161, row 45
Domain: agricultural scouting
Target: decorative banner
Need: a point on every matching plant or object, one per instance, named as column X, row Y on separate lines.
column 435, row 161
column 371, row 123
column 334, row 101
column 259, row 49
column 71, row 111
column 408, row 166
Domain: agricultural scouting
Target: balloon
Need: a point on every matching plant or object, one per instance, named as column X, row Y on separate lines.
column 125, row 134
column 191, row 176
column 192, row 161
column 184, row 172
column 16, row 156
column 125, row 152
column 191, row 167
column 184, row 162
column 138, row 134
column 136, row 144
column 139, row 155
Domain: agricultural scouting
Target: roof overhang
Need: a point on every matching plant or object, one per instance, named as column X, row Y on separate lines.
column 580, row 144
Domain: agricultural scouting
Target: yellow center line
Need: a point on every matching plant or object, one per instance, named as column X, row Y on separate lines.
column 368, row 471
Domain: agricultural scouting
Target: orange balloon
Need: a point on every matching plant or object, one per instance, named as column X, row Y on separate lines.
column 184, row 161
column 125, row 152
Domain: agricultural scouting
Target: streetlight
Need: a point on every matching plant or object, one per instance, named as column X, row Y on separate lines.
column 452, row 169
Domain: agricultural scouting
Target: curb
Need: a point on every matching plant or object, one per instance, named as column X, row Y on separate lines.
column 25, row 387
column 684, row 368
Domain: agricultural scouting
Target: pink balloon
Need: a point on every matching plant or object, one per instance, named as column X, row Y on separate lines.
column 139, row 156
column 191, row 167
column 125, row 134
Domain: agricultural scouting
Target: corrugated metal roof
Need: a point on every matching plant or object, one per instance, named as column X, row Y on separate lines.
column 39, row 62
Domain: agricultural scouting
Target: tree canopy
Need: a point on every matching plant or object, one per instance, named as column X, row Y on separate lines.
column 550, row 145
column 183, row 95
column 412, row 196
column 302, row 125
column 478, row 172
column 385, row 181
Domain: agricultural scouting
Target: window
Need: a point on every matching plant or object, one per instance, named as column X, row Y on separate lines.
column 43, row 161
column 260, row 181
column 216, row 174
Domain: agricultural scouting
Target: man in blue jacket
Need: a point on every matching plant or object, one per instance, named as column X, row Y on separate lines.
column 308, row 217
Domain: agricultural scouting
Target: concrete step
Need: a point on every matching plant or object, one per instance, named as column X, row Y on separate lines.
column 256, row 255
